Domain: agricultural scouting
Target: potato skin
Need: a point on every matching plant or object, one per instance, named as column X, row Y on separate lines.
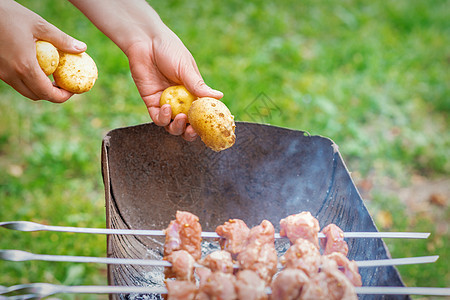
column 213, row 122
column 179, row 98
column 76, row 73
column 47, row 56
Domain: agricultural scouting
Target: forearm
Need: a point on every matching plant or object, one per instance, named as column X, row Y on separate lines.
column 124, row 22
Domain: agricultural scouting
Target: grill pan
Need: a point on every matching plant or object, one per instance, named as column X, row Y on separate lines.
column 270, row 173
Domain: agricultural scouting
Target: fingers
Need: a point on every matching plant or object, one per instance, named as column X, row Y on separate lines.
column 161, row 116
column 29, row 80
column 189, row 134
column 45, row 90
column 193, row 81
column 178, row 125
column 18, row 64
column 50, row 33
column 37, row 82
column 20, row 87
column 40, row 90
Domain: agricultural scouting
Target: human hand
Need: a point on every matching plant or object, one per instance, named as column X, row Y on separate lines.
column 162, row 62
column 20, row 29
column 158, row 58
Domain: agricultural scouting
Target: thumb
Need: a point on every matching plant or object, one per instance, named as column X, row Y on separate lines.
column 194, row 83
column 60, row 40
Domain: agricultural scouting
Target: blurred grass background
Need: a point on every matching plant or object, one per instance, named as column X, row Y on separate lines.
column 371, row 75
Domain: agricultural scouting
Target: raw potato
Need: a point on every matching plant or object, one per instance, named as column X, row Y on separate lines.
column 47, row 56
column 76, row 73
column 179, row 98
column 213, row 122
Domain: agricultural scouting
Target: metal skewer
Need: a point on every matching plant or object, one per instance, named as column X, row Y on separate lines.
column 32, row 226
column 18, row 255
column 45, row 289
column 401, row 290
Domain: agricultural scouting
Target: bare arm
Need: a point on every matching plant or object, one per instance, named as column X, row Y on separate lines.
column 157, row 57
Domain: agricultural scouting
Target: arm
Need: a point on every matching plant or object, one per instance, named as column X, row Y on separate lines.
column 157, row 57
column 20, row 28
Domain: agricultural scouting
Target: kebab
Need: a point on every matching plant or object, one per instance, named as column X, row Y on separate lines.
column 257, row 259
column 187, row 285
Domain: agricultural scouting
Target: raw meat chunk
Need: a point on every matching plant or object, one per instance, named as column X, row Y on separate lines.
column 218, row 286
column 182, row 266
column 184, row 233
column 349, row 268
column 181, row 290
column 288, row 284
column 334, row 240
column 234, row 233
column 259, row 252
column 219, row 261
column 250, row 286
column 302, row 255
column 302, row 225
column 329, row 285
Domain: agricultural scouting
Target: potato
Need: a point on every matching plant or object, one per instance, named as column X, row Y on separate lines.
column 179, row 98
column 47, row 56
column 75, row 73
column 213, row 122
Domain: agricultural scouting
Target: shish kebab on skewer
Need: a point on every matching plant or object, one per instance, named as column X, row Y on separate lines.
column 290, row 229
column 32, row 226
column 19, row 255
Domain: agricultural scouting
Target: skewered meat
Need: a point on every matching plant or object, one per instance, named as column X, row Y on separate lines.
column 302, row 225
column 219, row 261
column 302, row 255
column 264, row 233
column 249, row 286
column 334, row 240
column 218, row 286
column 181, row 290
column 349, row 268
column 259, row 252
column 184, row 233
column 234, row 233
column 257, row 257
column 288, row 284
column 203, row 273
column 330, row 284
column 182, row 266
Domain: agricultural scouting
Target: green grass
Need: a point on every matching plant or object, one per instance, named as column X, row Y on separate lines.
column 371, row 75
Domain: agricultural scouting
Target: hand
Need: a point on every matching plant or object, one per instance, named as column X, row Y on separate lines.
column 20, row 29
column 157, row 57
column 159, row 63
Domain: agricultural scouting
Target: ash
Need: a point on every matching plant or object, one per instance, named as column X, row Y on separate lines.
column 208, row 247
column 144, row 297
column 281, row 246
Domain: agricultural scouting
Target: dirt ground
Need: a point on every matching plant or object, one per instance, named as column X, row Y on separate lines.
column 423, row 196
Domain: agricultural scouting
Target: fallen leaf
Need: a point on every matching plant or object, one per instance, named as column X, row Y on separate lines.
column 438, row 199
column 384, row 218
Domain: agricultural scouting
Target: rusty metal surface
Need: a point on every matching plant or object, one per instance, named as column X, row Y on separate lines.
column 269, row 173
